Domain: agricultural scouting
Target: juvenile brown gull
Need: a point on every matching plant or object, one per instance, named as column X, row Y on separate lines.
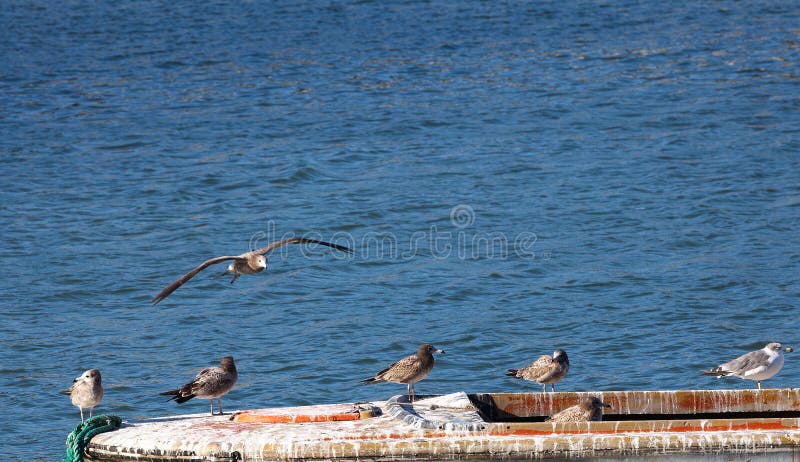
column 210, row 383
column 408, row 370
column 545, row 370
column 86, row 391
column 757, row 365
column 251, row 262
column 589, row 408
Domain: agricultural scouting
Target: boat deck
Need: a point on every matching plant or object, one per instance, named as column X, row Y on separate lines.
column 760, row 424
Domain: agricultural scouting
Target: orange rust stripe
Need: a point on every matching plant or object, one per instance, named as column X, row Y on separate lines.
column 521, row 432
column 389, row 436
column 529, row 432
column 673, row 429
column 246, row 417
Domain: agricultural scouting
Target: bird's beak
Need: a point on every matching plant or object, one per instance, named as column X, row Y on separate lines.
column 441, row 352
column 788, row 349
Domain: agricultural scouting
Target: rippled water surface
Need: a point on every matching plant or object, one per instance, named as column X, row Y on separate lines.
column 620, row 180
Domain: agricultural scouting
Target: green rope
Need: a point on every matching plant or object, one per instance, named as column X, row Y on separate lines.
column 79, row 438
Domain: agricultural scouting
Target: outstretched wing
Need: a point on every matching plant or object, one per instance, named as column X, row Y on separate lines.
column 297, row 240
column 179, row 282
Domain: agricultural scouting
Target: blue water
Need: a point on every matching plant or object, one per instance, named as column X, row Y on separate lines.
column 620, row 180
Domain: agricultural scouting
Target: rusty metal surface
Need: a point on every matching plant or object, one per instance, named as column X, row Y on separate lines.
column 305, row 414
column 654, row 402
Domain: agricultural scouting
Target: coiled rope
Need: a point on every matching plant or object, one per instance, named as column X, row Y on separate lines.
column 85, row 431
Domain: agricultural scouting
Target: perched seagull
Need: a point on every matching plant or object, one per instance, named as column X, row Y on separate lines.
column 757, row 365
column 408, row 370
column 86, row 391
column 544, row 370
column 590, row 408
column 210, row 383
column 251, row 262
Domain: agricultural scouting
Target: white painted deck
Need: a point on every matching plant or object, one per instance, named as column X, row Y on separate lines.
column 450, row 427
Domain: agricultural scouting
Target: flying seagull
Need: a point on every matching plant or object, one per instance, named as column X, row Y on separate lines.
column 757, row 365
column 408, row 370
column 544, row 370
column 252, row 262
column 590, row 408
column 210, row 383
column 86, row 391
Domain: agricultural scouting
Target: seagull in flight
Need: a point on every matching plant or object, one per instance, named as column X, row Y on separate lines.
column 252, row 262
